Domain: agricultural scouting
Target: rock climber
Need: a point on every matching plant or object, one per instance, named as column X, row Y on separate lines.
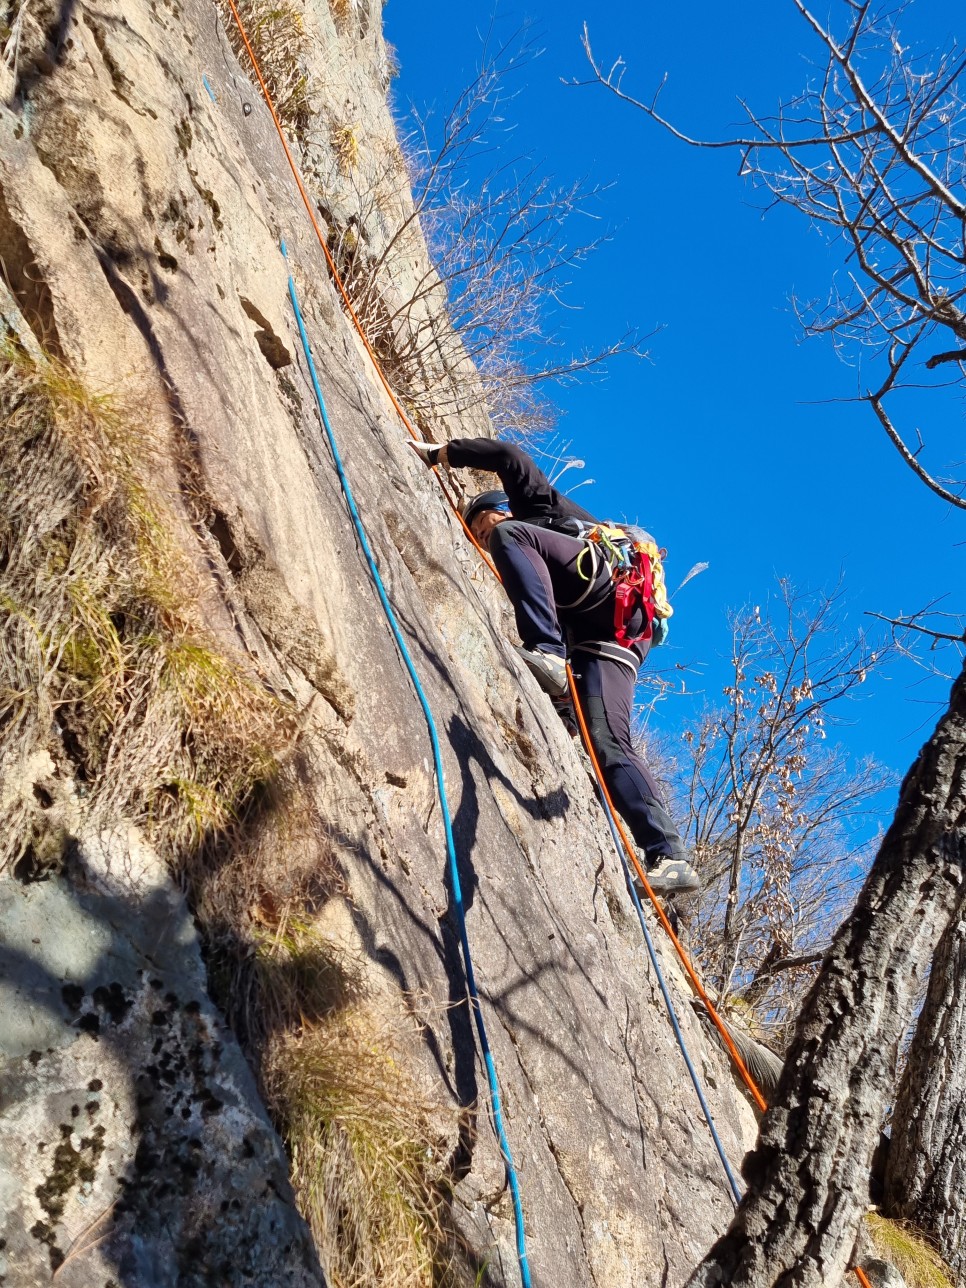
column 563, row 596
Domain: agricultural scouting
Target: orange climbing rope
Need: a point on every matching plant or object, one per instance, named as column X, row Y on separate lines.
column 661, row 914
column 340, row 285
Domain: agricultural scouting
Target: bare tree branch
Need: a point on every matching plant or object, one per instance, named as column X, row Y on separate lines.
column 612, row 80
column 876, row 402
column 908, row 624
column 952, row 355
column 871, row 152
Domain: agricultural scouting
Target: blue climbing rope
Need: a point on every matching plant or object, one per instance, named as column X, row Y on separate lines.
column 672, row 1014
column 440, row 785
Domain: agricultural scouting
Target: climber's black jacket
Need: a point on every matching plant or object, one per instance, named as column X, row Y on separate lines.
column 537, row 560
column 533, row 498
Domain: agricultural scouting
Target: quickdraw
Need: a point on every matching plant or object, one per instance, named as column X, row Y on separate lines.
column 637, row 572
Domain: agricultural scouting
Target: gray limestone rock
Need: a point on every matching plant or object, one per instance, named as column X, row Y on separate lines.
column 143, row 283
column 134, row 1148
column 883, row 1274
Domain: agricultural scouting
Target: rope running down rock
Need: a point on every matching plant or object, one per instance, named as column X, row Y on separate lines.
column 340, row 286
column 440, row 786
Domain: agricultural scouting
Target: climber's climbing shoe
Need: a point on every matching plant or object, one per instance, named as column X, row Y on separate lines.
column 550, row 670
column 670, row 877
column 428, row 453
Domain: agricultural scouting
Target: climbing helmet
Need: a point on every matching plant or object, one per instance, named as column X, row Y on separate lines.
column 495, row 500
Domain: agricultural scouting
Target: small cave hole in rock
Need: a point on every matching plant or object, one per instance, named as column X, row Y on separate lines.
column 220, row 529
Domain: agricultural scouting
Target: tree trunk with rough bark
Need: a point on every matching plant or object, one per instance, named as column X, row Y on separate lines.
column 808, row 1177
column 926, row 1169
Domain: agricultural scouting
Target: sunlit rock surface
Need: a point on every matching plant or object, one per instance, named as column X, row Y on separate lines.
column 143, row 197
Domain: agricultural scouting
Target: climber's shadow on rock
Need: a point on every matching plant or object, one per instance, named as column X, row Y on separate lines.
column 469, row 749
column 42, row 60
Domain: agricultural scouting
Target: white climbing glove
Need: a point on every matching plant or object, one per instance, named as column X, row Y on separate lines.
column 429, row 453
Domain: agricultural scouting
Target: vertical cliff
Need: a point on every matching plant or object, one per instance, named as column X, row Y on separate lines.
column 247, row 777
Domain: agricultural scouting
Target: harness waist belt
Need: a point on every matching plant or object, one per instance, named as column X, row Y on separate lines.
column 611, row 651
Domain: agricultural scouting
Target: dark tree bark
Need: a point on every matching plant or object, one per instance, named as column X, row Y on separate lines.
column 808, row 1178
column 926, row 1168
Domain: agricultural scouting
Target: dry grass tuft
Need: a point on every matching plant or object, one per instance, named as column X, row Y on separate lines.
column 365, row 1163
column 105, row 664
column 269, row 969
column 276, row 29
column 345, row 144
column 335, row 1069
column 301, row 976
column 389, row 66
column 909, row 1251
column 345, row 11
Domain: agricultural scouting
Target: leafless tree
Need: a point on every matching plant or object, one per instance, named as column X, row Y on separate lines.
column 871, row 152
column 771, row 802
column 474, row 328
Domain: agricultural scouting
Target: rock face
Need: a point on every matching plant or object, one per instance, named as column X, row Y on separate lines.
column 135, row 1149
column 882, row 1274
column 143, row 196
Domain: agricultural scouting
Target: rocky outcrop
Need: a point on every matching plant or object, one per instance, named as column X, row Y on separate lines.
column 143, row 197
column 134, row 1146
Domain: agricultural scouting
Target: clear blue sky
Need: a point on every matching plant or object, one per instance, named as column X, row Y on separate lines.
column 722, row 444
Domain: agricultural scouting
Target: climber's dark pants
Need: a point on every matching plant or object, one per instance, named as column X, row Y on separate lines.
column 538, row 568
column 606, row 691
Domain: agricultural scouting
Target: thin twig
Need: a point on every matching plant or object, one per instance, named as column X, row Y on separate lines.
column 76, row 1248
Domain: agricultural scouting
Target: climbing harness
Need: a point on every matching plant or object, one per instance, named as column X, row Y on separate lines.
column 637, row 574
column 440, row 787
column 612, row 652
